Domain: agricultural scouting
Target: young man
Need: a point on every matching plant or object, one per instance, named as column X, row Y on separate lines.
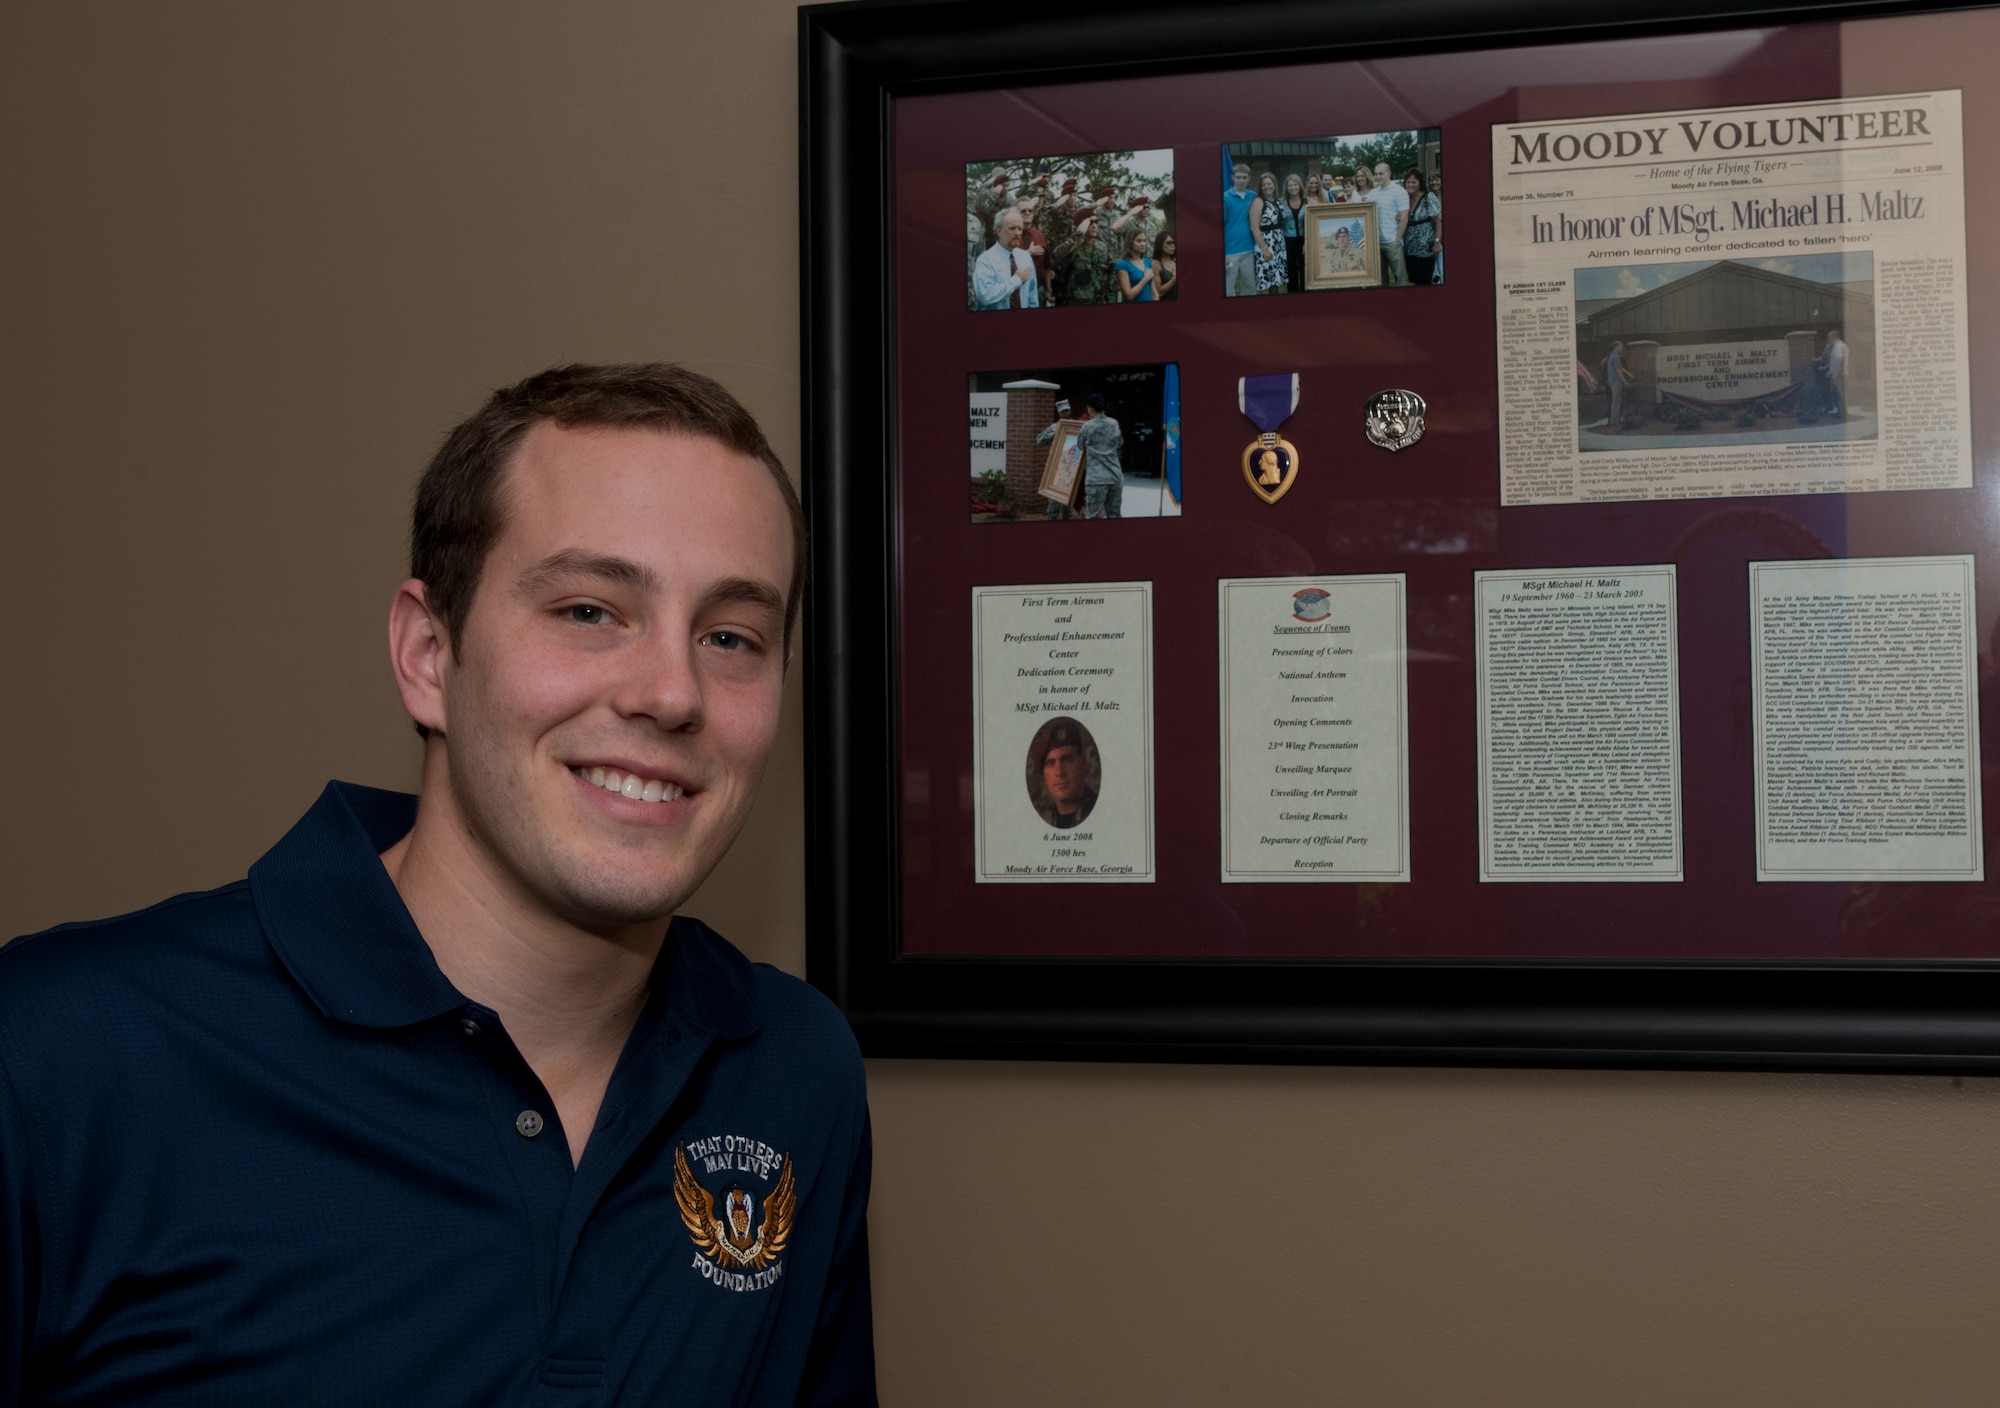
column 1392, row 221
column 1239, row 242
column 442, row 1105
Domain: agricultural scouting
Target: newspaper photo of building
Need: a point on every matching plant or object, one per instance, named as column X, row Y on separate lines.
column 1726, row 352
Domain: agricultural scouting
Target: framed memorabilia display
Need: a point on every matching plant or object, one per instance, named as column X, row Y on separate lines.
column 1341, row 249
column 1062, row 474
column 1581, row 658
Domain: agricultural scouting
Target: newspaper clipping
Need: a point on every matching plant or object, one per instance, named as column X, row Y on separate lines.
column 1733, row 301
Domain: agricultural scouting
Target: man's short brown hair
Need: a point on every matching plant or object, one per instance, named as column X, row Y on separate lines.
column 459, row 513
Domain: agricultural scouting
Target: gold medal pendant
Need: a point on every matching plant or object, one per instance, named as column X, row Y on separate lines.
column 1269, row 466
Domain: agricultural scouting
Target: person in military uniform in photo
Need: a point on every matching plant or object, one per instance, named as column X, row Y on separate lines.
column 1084, row 261
column 1062, row 764
column 1083, row 274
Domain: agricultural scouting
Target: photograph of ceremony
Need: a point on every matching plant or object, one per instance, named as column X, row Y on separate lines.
column 1052, row 445
column 1271, row 242
column 1070, row 231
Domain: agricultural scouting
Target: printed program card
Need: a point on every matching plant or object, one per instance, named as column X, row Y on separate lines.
column 1062, row 699
column 1315, row 729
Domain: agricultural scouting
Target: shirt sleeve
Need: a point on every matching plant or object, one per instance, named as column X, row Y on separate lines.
column 19, row 1248
column 840, row 1361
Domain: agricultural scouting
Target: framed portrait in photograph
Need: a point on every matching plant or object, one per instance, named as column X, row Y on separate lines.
column 1062, row 474
column 1611, row 675
column 1342, row 249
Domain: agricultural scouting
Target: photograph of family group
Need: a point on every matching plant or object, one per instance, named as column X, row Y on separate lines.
column 1308, row 213
column 1070, row 231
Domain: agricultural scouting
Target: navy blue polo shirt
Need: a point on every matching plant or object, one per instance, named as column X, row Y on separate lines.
column 256, row 1150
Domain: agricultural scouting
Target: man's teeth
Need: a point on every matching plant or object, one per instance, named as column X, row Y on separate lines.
column 630, row 784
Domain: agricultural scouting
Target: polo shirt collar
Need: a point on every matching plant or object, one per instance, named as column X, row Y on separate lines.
column 341, row 929
column 706, row 981
column 330, row 910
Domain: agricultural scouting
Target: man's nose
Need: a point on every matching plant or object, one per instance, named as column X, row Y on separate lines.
column 663, row 682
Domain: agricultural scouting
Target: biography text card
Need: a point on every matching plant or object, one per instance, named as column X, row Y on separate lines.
column 1579, row 724
column 1315, row 729
column 1062, row 699
column 1866, row 679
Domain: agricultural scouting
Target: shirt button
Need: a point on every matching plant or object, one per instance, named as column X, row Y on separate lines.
column 469, row 1027
column 528, row 1123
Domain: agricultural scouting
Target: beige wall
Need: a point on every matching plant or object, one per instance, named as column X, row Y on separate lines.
column 259, row 256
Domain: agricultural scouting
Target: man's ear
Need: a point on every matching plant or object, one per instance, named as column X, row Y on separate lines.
column 419, row 654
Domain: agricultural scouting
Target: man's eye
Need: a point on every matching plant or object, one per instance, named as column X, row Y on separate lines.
column 586, row 615
column 727, row 640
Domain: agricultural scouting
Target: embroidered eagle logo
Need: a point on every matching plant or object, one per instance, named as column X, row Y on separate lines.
column 727, row 1240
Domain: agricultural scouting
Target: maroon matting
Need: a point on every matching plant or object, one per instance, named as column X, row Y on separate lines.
column 1431, row 512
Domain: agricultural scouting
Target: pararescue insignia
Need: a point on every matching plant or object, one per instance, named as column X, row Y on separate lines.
column 1395, row 419
column 727, row 1251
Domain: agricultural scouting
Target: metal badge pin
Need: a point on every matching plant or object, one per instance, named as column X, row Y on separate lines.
column 1395, row 419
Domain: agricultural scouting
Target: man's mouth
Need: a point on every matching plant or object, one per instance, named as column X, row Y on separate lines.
column 631, row 784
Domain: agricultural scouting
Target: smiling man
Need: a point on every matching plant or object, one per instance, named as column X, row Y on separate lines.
column 443, row 1105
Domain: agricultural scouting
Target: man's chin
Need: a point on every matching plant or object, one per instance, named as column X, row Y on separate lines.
column 592, row 913
column 598, row 901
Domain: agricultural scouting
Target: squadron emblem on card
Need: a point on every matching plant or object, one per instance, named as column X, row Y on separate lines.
column 1312, row 604
column 738, row 1236
column 1395, row 419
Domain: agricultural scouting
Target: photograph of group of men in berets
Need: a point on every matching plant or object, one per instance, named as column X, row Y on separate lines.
column 1067, row 231
column 1269, row 186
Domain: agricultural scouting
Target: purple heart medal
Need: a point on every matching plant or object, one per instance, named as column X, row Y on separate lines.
column 1269, row 464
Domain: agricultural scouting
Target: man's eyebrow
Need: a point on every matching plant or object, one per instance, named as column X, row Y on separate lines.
column 572, row 563
column 747, row 590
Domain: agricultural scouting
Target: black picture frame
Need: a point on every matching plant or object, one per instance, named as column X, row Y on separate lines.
column 855, row 59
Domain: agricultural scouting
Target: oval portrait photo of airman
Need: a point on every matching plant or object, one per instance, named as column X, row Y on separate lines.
column 1064, row 773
